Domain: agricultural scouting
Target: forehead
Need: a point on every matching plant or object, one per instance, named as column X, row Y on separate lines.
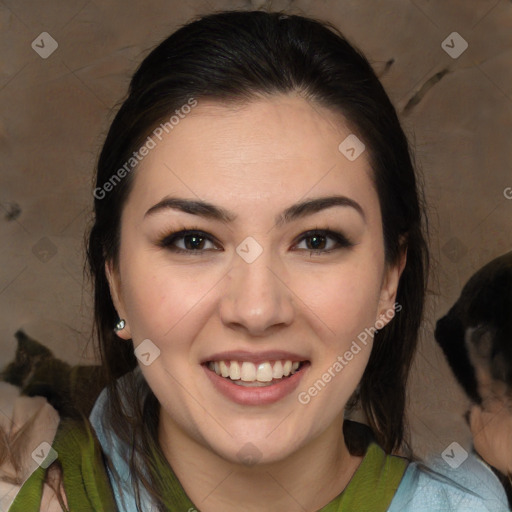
column 277, row 148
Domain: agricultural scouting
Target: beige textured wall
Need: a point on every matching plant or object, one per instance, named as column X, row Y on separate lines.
column 55, row 110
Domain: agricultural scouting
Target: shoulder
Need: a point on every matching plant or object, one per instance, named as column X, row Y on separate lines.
column 28, row 427
column 436, row 486
column 57, row 458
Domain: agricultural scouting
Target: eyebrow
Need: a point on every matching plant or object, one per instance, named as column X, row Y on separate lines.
column 296, row 211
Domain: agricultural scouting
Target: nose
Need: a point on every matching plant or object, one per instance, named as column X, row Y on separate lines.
column 257, row 300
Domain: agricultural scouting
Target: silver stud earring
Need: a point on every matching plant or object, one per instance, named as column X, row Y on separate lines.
column 120, row 325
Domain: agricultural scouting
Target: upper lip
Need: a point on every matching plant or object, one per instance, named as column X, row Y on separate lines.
column 255, row 357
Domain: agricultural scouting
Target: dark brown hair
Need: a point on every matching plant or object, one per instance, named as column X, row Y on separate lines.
column 237, row 56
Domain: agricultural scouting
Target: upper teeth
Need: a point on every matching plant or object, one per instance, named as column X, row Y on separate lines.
column 249, row 372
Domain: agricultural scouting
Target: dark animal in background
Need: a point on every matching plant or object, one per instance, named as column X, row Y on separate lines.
column 71, row 390
column 476, row 336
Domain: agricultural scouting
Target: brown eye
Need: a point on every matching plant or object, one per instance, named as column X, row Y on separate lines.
column 188, row 241
column 323, row 241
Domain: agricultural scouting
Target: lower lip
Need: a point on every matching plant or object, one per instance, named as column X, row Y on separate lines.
column 256, row 395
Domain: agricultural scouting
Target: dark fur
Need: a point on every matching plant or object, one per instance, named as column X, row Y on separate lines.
column 71, row 390
column 476, row 336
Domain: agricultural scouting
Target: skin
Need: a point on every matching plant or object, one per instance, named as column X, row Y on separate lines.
column 491, row 427
column 491, row 424
column 254, row 161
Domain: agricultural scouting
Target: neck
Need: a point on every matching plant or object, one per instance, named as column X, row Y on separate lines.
column 306, row 480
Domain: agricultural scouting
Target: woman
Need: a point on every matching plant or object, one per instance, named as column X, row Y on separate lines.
column 259, row 267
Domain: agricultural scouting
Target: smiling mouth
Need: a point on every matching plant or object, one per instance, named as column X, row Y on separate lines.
column 248, row 374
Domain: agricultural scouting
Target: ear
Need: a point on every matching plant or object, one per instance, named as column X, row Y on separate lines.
column 114, row 283
column 450, row 334
column 389, row 288
column 30, row 345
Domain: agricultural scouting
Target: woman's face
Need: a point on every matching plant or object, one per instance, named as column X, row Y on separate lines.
column 283, row 266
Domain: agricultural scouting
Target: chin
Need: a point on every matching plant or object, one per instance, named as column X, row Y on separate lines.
column 255, row 449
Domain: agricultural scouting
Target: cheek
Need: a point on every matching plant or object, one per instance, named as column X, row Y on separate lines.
column 345, row 299
column 163, row 301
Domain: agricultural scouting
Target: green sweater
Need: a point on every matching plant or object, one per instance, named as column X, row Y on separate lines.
column 88, row 488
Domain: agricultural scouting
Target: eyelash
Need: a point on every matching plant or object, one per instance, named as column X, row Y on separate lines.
column 169, row 239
